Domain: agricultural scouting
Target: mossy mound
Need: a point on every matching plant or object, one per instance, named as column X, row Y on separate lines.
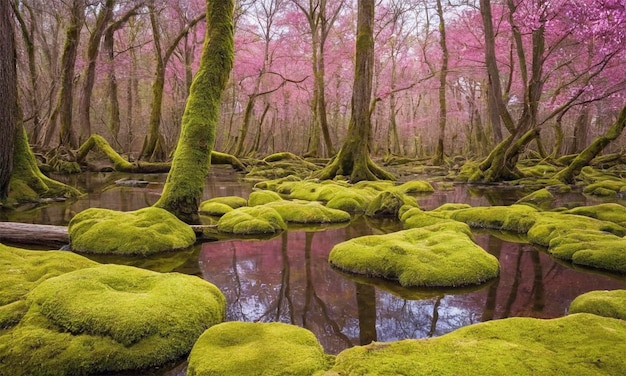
column 607, row 188
column 550, row 225
column 606, row 212
column 601, row 303
column 252, row 220
column 350, row 200
column 515, row 218
column 542, row 198
column 219, row 206
column 263, row 197
column 581, row 344
column 440, row 255
column 415, row 186
column 308, row 212
column 142, row 232
column 591, row 248
column 387, row 204
column 22, row 270
column 244, row 348
column 109, row 318
column 416, row 217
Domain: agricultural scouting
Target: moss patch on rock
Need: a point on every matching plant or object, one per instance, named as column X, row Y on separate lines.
column 142, row 232
column 515, row 218
column 263, row 197
column 219, row 206
column 252, row 220
column 109, row 318
column 440, row 255
column 387, row 204
column 606, row 212
column 579, row 344
column 591, row 248
column 244, row 348
column 304, row 212
column 601, row 303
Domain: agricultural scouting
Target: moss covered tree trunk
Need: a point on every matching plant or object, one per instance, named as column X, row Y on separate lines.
column 8, row 97
column 353, row 160
column 568, row 174
column 185, row 182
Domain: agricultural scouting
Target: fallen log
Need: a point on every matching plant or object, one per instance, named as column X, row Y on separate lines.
column 57, row 236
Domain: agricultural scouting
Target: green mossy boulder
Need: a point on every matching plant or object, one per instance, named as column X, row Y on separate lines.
column 350, row 200
column 541, row 198
column 591, row 248
column 607, row 188
column 550, row 225
column 416, row 217
column 387, row 204
column 415, row 186
column 142, row 232
column 252, row 220
column 581, row 344
column 219, row 206
column 109, row 318
column 272, row 185
column 263, row 197
column 515, row 218
column 606, row 212
column 601, row 303
column 245, row 348
column 304, row 212
column 440, row 255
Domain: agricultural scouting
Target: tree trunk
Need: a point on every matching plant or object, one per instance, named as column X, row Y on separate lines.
column 353, row 159
column 8, row 98
column 568, row 174
column 89, row 73
column 439, row 152
column 185, row 182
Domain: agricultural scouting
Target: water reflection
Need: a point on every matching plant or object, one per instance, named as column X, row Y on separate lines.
column 288, row 279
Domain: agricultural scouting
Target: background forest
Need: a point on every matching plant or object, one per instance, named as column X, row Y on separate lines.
column 444, row 84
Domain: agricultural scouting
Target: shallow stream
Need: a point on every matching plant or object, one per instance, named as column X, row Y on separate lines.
column 288, row 278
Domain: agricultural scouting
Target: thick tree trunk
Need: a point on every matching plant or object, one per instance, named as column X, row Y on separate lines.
column 8, row 98
column 353, row 160
column 568, row 174
column 185, row 182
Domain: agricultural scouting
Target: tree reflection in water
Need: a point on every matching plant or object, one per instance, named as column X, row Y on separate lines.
column 288, row 279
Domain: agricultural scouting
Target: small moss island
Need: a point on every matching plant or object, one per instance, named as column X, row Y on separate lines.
column 89, row 318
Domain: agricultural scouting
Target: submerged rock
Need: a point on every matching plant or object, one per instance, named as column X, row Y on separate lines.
column 601, row 303
column 107, row 318
column 440, row 255
column 581, row 344
column 142, row 232
column 245, row 348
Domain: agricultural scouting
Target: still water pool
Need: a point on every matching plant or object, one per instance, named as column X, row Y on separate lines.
column 288, row 278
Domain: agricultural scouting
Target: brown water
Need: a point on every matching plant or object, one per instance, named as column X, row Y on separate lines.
column 288, row 278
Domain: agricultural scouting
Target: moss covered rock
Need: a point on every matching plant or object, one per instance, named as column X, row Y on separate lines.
column 109, row 318
column 442, row 255
column 263, row 197
column 244, row 348
column 551, row 225
column 252, row 220
column 219, row 206
column 579, row 344
column 415, row 186
column 601, row 303
column 142, row 232
column 591, row 248
column 387, row 204
column 416, row 217
column 308, row 212
column 606, row 188
column 542, row 198
column 606, row 212
column 515, row 218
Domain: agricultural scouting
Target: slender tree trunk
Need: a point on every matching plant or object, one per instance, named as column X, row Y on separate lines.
column 185, row 182
column 89, row 73
column 8, row 98
column 439, row 152
column 353, row 160
column 114, row 120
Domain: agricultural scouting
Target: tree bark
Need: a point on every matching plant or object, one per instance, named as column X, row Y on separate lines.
column 8, row 98
column 185, row 182
column 353, row 160
column 568, row 174
column 439, row 152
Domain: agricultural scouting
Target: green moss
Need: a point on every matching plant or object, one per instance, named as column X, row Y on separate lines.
column 601, row 303
column 415, row 186
column 515, row 218
column 272, row 185
column 437, row 255
column 252, row 220
column 109, row 318
column 592, row 248
column 579, row 344
column 349, row 200
column 605, row 187
column 22, row 270
column 607, row 212
column 232, row 201
column 539, row 170
column 387, row 204
column 141, row 232
column 214, row 208
column 550, row 225
column 244, row 348
column 308, row 212
column 541, row 198
column 257, row 198
column 415, row 218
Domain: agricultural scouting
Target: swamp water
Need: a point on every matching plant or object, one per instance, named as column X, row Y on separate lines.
column 288, row 278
